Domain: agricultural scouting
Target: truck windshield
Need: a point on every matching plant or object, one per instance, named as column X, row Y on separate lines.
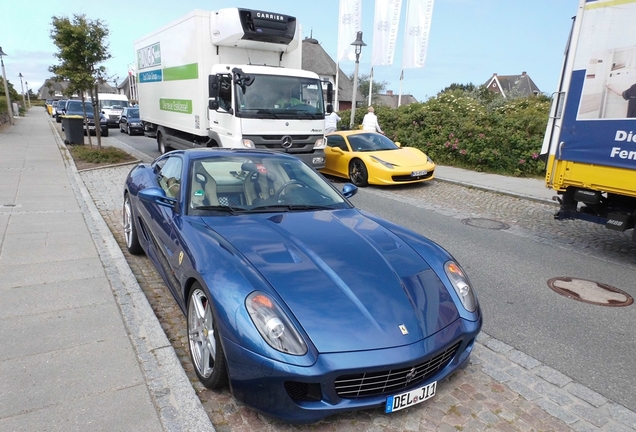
column 117, row 104
column 274, row 96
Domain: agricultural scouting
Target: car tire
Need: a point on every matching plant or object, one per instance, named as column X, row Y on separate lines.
column 204, row 340
column 130, row 229
column 105, row 133
column 358, row 173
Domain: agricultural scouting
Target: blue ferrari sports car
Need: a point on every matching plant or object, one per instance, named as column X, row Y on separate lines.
column 304, row 305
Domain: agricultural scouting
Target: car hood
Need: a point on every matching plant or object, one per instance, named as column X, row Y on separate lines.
column 350, row 282
column 402, row 157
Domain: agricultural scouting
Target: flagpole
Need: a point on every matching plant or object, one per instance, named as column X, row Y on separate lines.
column 370, row 85
column 336, row 107
column 400, row 95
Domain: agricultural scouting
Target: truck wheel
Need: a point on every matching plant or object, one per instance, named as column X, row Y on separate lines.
column 161, row 143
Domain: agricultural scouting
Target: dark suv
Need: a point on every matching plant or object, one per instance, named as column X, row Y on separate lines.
column 74, row 107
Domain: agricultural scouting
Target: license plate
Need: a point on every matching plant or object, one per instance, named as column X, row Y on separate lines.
column 317, row 160
column 405, row 400
column 418, row 173
column 91, row 128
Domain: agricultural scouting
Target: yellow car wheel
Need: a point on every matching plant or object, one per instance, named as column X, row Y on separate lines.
column 358, row 173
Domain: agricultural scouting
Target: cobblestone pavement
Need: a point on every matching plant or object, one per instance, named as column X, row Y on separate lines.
column 501, row 389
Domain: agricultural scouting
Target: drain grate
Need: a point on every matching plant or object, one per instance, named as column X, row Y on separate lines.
column 590, row 292
column 485, row 223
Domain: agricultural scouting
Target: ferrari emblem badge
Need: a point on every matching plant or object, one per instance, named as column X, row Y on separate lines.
column 180, row 257
column 403, row 329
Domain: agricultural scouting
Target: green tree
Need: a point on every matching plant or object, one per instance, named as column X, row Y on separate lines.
column 82, row 47
column 15, row 96
column 364, row 81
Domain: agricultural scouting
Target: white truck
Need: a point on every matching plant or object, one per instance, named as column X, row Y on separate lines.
column 112, row 105
column 590, row 141
column 231, row 78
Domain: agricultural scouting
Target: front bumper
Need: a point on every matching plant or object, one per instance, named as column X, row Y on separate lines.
column 264, row 384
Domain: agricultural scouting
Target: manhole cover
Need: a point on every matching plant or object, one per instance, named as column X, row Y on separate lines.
column 485, row 223
column 590, row 292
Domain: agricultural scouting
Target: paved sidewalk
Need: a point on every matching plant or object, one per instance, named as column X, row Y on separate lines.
column 526, row 188
column 81, row 348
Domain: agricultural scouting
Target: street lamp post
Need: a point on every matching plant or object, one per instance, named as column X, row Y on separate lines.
column 6, row 88
column 28, row 97
column 358, row 44
column 22, row 88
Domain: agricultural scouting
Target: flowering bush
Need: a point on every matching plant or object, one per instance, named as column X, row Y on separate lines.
column 472, row 129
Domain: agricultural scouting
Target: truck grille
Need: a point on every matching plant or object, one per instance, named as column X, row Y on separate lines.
column 390, row 381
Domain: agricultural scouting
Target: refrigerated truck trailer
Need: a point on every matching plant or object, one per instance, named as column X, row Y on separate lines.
column 590, row 140
column 231, row 78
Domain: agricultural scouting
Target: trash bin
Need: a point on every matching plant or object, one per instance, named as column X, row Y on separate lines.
column 73, row 126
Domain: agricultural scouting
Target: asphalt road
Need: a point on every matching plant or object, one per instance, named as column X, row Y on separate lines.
column 510, row 268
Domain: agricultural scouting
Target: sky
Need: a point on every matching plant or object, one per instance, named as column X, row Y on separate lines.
column 469, row 39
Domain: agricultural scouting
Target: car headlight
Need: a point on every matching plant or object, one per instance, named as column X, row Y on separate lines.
column 135, row 124
column 320, row 143
column 461, row 285
column 247, row 143
column 386, row 164
column 273, row 325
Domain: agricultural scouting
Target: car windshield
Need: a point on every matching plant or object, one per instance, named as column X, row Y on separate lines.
column 76, row 107
column 235, row 184
column 133, row 113
column 368, row 142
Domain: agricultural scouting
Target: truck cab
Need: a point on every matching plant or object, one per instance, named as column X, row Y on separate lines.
column 266, row 108
column 112, row 105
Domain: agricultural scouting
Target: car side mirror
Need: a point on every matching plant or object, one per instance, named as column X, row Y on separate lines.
column 337, row 150
column 156, row 195
column 349, row 190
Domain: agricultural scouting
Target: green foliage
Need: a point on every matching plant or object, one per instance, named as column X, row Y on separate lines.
column 13, row 93
column 82, row 47
column 364, row 81
column 110, row 155
column 472, row 128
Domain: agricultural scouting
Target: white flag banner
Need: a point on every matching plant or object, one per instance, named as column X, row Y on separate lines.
column 385, row 29
column 349, row 24
column 416, row 32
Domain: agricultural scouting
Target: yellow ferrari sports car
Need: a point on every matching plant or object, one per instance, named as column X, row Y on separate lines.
column 371, row 158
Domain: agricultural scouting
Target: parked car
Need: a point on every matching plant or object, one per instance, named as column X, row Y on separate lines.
column 75, row 108
column 58, row 112
column 130, row 122
column 53, row 107
column 371, row 158
column 103, row 123
column 307, row 305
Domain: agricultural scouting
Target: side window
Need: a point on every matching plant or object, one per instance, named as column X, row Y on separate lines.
column 225, row 92
column 170, row 176
column 337, row 141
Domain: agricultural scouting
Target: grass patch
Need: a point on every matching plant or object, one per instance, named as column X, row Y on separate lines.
column 103, row 155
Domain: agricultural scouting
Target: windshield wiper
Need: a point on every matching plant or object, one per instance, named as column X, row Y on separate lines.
column 290, row 207
column 225, row 209
column 313, row 116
